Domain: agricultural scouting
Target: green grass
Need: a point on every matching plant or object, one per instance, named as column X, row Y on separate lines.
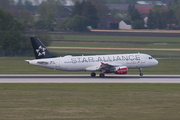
column 172, row 42
column 90, row 101
column 167, row 46
column 126, row 39
column 17, row 65
column 60, row 52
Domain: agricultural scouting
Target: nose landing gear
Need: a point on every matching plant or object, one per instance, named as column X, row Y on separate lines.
column 140, row 70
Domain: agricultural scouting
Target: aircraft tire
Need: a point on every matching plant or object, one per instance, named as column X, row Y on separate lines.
column 141, row 74
column 93, row 74
column 101, row 75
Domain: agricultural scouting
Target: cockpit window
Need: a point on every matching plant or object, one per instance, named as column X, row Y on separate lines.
column 150, row 58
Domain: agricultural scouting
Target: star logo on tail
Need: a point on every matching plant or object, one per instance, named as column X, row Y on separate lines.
column 41, row 51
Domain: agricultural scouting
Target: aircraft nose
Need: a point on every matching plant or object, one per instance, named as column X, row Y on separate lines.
column 156, row 62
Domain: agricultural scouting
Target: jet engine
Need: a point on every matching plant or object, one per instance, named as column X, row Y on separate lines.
column 120, row 70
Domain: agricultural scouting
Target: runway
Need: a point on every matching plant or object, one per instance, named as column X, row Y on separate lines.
column 78, row 78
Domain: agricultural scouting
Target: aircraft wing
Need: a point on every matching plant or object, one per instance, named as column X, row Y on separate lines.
column 108, row 66
column 103, row 66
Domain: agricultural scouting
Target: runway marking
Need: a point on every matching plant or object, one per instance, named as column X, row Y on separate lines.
column 88, row 79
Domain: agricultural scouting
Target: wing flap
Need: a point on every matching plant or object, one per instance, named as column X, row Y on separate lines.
column 103, row 66
column 108, row 66
column 92, row 68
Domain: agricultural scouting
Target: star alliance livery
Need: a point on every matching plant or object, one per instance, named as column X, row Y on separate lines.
column 115, row 63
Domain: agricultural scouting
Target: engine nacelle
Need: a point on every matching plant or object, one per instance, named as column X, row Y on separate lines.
column 121, row 70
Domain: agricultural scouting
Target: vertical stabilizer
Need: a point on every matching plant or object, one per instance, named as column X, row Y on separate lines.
column 40, row 50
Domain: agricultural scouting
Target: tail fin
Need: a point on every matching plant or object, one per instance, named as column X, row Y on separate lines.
column 40, row 50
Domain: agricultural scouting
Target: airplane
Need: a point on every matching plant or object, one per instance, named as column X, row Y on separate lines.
column 114, row 63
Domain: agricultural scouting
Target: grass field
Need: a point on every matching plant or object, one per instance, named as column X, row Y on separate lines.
column 122, row 42
column 132, row 42
column 167, row 46
column 159, row 54
column 126, row 39
column 17, row 65
column 90, row 101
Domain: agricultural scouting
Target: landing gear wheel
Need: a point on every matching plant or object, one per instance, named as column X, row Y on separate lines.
column 93, row 74
column 140, row 70
column 101, row 75
column 141, row 74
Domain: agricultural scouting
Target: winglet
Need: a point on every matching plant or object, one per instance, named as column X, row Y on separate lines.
column 102, row 63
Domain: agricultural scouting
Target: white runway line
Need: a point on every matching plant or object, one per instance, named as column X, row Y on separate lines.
column 78, row 78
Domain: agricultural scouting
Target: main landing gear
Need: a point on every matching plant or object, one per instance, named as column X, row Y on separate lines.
column 93, row 74
column 100, row 75
column 140, row 70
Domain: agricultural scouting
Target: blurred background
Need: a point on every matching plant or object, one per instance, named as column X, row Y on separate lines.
column 81, row 23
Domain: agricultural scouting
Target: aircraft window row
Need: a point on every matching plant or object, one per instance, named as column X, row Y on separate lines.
column 98, row 60
column 150, row 58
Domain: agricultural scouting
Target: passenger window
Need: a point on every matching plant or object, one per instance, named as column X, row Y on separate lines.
column 150, row 58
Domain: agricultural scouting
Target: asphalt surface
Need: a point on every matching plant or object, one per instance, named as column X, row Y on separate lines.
column 78, row 78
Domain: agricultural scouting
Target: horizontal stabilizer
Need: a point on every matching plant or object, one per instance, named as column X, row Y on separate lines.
column 27, row 60
column 42, row 62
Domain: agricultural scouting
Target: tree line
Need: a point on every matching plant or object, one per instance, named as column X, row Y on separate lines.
column 12, row 35
column 15, row 19
column 85, row 13
column 163, row 19
column 49, row 14
column 12, row 30
column 159, row 17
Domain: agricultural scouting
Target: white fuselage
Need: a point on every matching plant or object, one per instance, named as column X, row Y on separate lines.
column 91, row 63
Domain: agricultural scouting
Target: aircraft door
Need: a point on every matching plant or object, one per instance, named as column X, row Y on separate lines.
column 55, row 64
column 142, row 61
